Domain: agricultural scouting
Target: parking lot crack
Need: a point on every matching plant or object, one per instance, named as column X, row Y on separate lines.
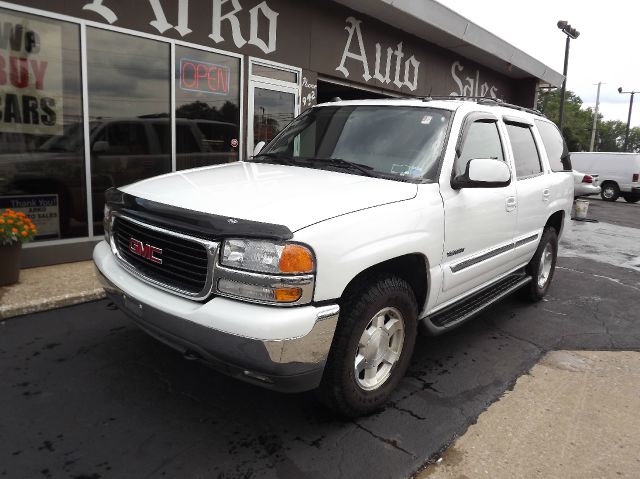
column 608, row 278
column 409, row 412
column 391, row 442
column 513, row 336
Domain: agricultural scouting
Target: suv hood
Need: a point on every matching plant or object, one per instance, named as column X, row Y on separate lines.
column 279, row 194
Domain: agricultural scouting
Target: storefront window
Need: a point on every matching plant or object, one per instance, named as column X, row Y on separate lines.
column 207, row 108
column 129, row 104
column 41, row 137
column 273, row 110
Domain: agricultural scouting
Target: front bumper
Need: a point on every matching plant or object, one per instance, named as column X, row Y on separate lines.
column 279, row 348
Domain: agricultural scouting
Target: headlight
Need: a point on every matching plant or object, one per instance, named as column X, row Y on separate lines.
column 267, row 257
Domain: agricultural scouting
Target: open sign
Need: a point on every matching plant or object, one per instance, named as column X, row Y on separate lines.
column 204, row 77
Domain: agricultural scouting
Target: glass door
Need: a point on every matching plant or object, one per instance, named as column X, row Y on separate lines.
column 273, row 103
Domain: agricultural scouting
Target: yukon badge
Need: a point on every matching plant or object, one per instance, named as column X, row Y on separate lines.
column 147, row 251
column 455, row 252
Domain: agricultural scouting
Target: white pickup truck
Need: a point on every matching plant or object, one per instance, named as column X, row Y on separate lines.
column 314, row 264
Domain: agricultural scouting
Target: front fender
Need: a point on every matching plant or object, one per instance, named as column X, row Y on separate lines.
column 348, row 245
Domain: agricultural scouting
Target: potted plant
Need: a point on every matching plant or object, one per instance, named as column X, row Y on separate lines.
column 15, row 229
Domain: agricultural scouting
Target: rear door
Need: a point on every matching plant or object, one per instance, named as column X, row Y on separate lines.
column 479, row 222
column 533, row 186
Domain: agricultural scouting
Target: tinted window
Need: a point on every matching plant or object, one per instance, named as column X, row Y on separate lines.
column 525, row 152
column 207, row 95
column 129, row 90
column 555, row 146
column 42, row 171
column 482, row 141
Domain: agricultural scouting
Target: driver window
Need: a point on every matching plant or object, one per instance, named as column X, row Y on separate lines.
column 482, row 141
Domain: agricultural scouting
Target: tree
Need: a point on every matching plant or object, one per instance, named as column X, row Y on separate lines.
column 577, row 121
column 610, row 135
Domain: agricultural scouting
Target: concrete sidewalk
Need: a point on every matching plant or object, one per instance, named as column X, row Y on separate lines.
column 575, row 415
column 50, row 287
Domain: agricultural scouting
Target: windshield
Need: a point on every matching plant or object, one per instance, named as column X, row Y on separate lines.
column 395, row 142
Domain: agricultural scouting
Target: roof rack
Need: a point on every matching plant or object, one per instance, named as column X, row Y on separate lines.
column 481, row 100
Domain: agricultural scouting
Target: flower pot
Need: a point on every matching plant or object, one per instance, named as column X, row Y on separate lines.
column 10, row 263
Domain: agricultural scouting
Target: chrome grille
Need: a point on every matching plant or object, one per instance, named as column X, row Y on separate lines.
column 187, row 262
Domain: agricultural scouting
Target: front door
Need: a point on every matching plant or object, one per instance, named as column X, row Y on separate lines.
column 273, row 102
column 479, row 222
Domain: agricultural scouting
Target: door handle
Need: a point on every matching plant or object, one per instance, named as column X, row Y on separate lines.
column 511, row 203
column 546, row 193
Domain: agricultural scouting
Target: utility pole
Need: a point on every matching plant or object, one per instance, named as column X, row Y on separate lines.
column 595, row 119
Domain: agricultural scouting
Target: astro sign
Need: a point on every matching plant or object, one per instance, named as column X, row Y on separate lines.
column 204, row 77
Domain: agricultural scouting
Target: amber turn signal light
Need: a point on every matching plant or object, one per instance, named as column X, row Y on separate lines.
column 287, row 295
column 296, row 259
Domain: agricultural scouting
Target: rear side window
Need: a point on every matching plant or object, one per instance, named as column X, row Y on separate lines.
column 554, row 144
column 525, row 151
column 482, row 141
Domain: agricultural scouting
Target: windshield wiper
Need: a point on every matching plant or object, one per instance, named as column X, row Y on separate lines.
column 275, row 156
column 349, row 165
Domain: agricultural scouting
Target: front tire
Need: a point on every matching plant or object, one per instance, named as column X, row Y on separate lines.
column 542, row 266
column 610, row 191
column 372, row 347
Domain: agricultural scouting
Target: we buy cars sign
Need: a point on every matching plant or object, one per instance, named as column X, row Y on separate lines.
column 30, row 76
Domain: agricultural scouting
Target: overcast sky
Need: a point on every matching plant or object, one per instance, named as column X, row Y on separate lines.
column 606, row 51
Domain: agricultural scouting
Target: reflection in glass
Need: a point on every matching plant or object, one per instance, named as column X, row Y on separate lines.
column 129, row 97
column 274, row 73
column 41, row 136
column 207, row 108
column 273, row 110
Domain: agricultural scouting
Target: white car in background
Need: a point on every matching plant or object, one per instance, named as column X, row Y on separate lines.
column 619, row 173
column 585, row 185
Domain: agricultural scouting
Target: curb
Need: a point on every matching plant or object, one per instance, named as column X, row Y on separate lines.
column 47, row 304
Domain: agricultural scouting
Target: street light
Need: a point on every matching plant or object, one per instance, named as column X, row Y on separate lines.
column 626, row 135
column 570, row 32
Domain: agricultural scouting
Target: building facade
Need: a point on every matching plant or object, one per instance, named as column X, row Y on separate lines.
column 101, row 93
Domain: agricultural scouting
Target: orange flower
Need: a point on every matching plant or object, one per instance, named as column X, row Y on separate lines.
column 10, row 222
column 14, row 230
column 1, row 221
column 24, row 233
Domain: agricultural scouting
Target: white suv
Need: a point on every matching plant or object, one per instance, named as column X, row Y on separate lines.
column 315, row 263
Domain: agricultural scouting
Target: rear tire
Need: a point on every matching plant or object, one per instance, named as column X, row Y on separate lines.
column 610, row 191
column 542, row 266
column 631, row 198
column 372, row 346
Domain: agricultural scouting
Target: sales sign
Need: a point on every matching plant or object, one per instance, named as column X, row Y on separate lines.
column 204, row 77
column 30, row 76
column 41, row 209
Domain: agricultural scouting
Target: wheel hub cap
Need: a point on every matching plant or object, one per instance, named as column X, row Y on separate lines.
column 546, row 261
column 379, row 348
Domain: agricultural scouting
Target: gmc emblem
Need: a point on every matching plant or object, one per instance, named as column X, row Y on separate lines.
column 145, row 250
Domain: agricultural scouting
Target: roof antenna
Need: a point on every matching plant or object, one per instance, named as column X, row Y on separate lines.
column 428, row 97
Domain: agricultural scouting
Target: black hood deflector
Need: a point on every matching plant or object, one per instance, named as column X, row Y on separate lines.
column 195, row 223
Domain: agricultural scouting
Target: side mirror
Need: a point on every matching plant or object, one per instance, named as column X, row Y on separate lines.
column 258, row 148
column 100, row 146
column 483, row 173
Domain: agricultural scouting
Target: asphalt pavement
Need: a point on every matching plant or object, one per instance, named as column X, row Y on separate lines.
column 84, row 394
